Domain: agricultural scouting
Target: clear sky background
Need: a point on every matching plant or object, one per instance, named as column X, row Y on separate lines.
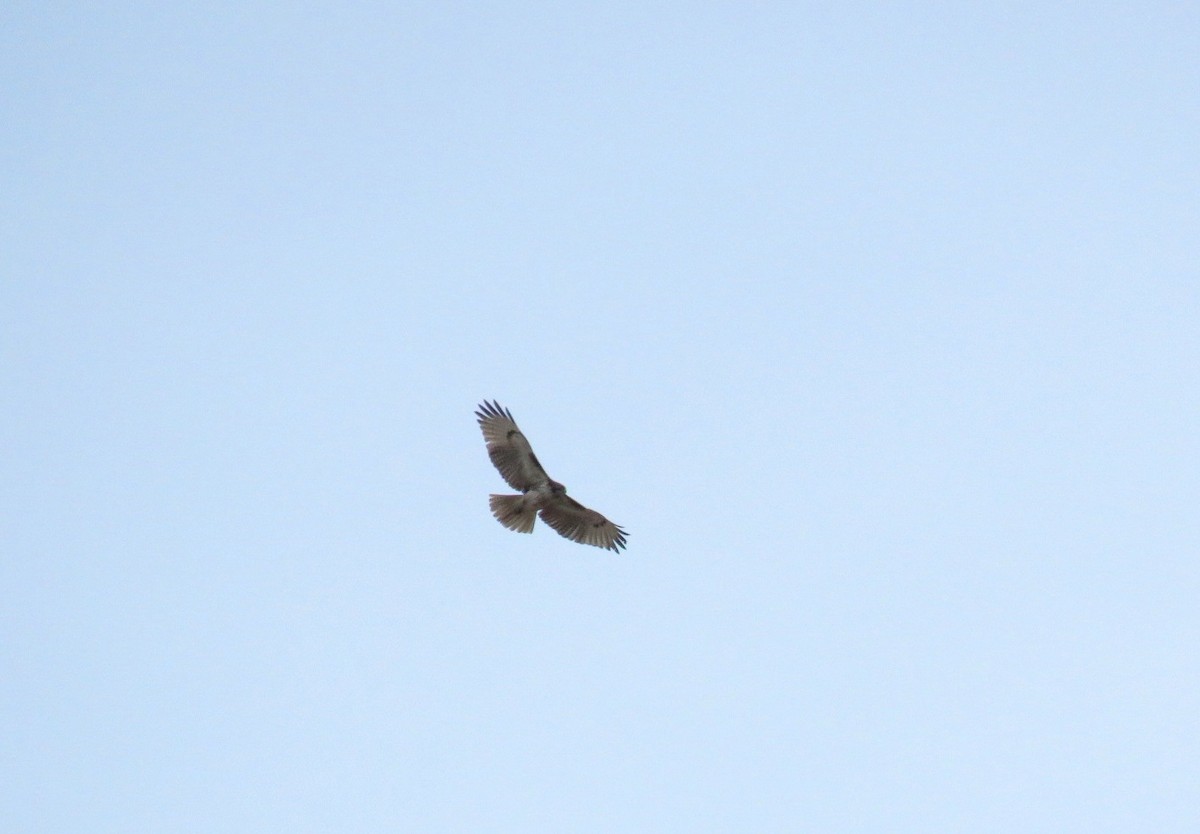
column 876, row 325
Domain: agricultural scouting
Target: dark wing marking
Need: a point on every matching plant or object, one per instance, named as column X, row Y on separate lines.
column 573, row 521
column 510, row 452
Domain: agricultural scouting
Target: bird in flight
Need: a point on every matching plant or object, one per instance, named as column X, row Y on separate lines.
column 512, row 455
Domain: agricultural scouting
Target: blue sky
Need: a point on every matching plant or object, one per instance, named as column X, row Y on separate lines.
column 874, row 324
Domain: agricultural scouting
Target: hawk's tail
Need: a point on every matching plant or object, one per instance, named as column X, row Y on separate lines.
column 510, row 510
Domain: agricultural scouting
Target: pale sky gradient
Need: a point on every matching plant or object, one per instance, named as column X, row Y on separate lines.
column 876, row 325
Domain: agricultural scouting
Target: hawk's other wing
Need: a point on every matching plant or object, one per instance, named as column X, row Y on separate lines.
column 510, row 452
column 573, row 521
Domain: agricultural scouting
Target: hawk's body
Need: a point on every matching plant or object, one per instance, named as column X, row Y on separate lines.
column 518, row 465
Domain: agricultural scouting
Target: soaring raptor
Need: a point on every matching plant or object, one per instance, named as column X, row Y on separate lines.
column 512, row 455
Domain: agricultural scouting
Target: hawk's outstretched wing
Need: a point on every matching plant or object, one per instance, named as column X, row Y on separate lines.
column 576, row 522
column 510, row 452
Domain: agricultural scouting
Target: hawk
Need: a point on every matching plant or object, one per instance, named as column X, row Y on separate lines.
column 512, row 455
